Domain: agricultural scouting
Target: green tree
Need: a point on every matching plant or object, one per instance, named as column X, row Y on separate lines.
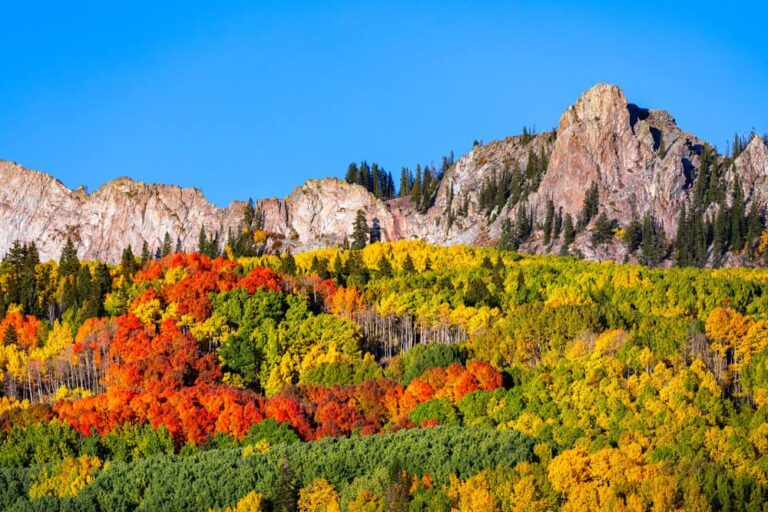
column 360, row 231
column 69, row 265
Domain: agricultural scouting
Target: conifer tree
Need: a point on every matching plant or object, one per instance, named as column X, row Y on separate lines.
column 602, row 231
column 569, row 233
column 549, row 219
column 69, row 265
column 360, row 231
column 167, row 245
column 589, row 207
column 146, row 255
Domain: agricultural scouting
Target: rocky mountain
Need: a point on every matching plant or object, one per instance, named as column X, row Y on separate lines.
column 639, row 160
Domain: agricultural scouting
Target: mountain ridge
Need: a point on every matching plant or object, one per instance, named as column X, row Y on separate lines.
column 639, row 160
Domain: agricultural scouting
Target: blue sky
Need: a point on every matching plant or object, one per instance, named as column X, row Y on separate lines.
column 252, row 98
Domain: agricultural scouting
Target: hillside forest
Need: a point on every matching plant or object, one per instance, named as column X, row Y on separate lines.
column 395, row 376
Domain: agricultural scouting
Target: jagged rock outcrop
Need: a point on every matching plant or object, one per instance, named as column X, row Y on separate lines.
column 640, row 160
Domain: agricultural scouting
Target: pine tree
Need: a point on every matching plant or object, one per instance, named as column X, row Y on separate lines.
column 416, row 188
column 569, row 233
column 128, row 264
column 508, row 238
column 376, row 179
column 652, row 247
column 385, row 267
column 738, row 220
column 549, row 219
column 352, row 172
column 375, row 231
column 167, row 245
column 202, row 241
column 288, row 264
column 69, row 265
column 589, row 207
column 406, row 181
column 360, row 231
column 720, row 234
column 284, row 496
column 633, row 235
column 178, row 245
column 146, row 255
column 602, row 231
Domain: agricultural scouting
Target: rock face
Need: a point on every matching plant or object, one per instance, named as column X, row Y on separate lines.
column 640, row 160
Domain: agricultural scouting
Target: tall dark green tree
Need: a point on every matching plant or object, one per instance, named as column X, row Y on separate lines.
column 602, row 231
column 549, row 219
column 569, row 232
column 590, row 206
column 167, row 245
column 69, row 265
column 360, row 231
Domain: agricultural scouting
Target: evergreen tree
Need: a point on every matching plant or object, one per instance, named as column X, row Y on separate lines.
column 416, row 188
column 202, row 241
column 355, row 270
column 633, row 235
column 589, row 207
column 569, row 233
column 146, row 255
column 523, row 224
column 167, row 245
column 360, row 231
column 652, row 248
column 385, row 267
column 738, row 219
column 549, row 219
column 285, row 495
column 178, row 246
column 69, row 265
column 406, row 181
column 128, row 264
column 508, row 239
column 288, row 264
column 376, row 180
column 720, row 234
column 602, row 231
column 352, row 172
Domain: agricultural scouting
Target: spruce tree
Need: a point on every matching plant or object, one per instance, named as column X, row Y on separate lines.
column 360, row 231
column 284, row 496
column 508, row 239
column 633, row 235
column 128, row 264
column 69, row 265
column 738, row 219
column 202, row 241
column 385, row 267
column 589, row 207
column 549, row 219
column 652, row 248
column 569, row 233
column 167, row 245
column 405, row 183
column 602, row 231
column 146, row 255
column 352, row 171
column 288, row 264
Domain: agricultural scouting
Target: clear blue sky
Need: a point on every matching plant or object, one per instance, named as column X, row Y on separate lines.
column 251, row 98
